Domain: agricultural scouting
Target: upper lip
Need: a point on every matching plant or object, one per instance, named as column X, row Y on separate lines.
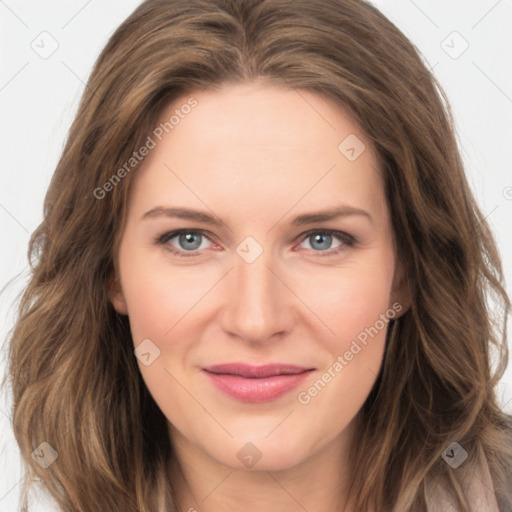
column 256, row 372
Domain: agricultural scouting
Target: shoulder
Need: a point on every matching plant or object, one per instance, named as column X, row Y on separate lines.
column 478, row 488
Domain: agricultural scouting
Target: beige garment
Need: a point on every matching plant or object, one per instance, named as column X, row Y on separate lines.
column 479, row 488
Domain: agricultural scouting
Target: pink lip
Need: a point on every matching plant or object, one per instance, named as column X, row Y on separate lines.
column 256, row 383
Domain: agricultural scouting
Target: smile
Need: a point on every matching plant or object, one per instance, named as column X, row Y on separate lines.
column 256, row 383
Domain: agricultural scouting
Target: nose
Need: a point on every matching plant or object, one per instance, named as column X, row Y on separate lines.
column 259, row 308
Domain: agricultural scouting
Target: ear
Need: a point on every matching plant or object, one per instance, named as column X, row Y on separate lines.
column 401, row 291
column 116, row 296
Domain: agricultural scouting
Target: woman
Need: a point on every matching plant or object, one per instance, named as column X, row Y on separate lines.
column 259, row 369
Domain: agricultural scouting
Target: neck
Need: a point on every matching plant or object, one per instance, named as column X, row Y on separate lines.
column 318, row 484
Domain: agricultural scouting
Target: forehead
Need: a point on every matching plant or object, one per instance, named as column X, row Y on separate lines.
column 258, row 144
column 257, row 114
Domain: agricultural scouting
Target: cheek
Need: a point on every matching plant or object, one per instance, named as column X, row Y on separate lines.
column 356, row 308
column 360, row 307
column 351, row 301
column 157, row 296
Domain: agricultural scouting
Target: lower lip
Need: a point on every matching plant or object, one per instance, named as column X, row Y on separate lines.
column 257, row 390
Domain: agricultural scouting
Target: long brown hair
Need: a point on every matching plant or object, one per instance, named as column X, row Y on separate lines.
column 75, row 381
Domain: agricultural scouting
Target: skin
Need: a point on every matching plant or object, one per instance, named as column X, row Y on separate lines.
column 256, row 156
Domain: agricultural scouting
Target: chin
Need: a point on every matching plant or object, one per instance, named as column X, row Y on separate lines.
column 262, row 455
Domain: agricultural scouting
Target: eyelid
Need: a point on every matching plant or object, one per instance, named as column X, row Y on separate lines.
column 169, row 235
column 342, row 235
column 346, row 240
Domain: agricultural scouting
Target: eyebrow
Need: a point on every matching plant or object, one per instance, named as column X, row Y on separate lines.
column 300, row 220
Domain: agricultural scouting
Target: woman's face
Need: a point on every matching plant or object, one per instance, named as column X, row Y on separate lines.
column 285, row 258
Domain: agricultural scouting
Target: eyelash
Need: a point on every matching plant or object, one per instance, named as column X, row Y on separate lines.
column 345, row 239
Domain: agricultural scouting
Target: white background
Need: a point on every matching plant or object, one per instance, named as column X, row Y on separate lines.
column 39, row 97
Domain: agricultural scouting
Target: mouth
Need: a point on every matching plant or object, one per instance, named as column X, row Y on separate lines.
column 249, row 383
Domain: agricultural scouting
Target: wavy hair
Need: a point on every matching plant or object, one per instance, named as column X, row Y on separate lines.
column 75, row 381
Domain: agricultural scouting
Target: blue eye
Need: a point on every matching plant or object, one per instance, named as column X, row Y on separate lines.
column 323, row 239
column 190, row 241
column 321, row 242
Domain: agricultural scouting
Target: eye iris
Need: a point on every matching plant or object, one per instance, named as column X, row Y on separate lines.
column 327, row 240
column 192, row 241
column 189, row 237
